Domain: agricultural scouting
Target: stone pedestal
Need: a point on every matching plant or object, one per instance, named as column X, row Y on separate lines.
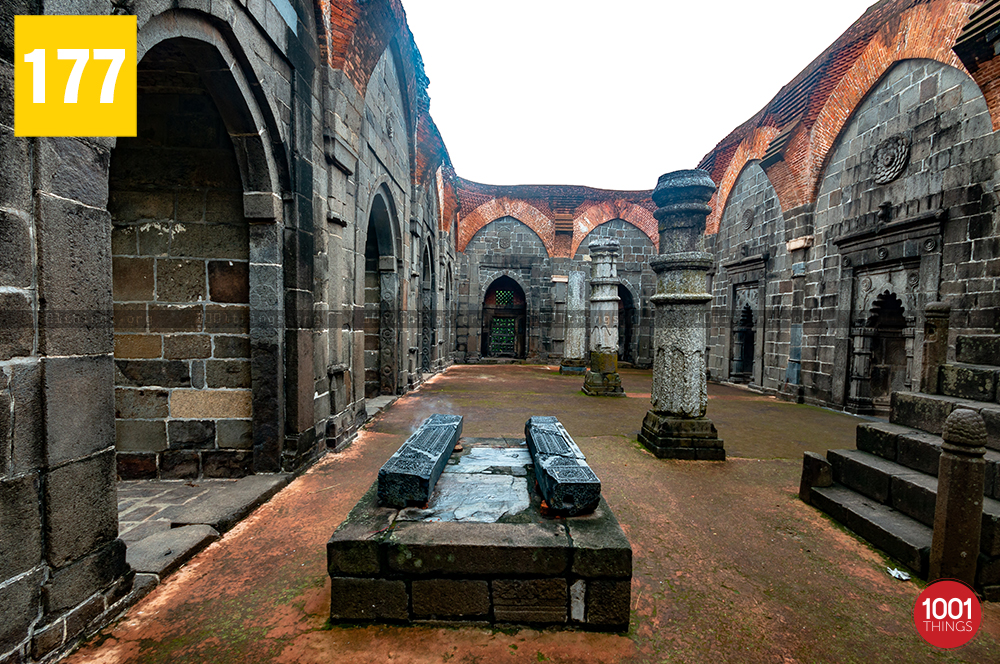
column 602, row 379
column 676, row 426
column 574, row 352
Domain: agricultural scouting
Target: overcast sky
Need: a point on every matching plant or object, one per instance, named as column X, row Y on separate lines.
column 607, row 94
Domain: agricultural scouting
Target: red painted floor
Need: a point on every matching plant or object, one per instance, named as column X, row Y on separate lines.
column 729, row 566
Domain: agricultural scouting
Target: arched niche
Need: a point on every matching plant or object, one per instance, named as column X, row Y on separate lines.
column 381, row 298
column 504, row 319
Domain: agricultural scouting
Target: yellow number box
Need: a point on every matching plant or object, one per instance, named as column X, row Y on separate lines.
column 75, row 76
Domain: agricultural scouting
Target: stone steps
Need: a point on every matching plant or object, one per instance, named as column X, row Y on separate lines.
column 978, row 349
column 919, row 451
column 969, row 381
column 903, row 538
column 886, row 489
column 928, row 412
column 907, row 491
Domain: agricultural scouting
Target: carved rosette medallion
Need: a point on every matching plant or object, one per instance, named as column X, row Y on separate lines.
column 748, row 217
column 890, row 158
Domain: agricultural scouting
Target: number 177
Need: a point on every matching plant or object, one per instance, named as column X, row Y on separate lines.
column 81, row 56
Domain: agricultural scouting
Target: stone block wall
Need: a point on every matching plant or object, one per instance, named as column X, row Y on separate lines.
column 509, row 247
column 752, row 263
column 904, row 215
column 180, row 255
column 635, row 274
column 941, row 116
column 62, row 567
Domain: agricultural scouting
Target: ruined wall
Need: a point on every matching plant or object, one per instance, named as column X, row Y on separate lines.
column 905, row 236
column 880, row 155
column 635, row 274
column 62, row 567
column 180, row 247
column 752, row 264
column 507, row 247
column 537, row 235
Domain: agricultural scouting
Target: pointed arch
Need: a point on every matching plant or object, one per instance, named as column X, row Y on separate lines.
column 497, row 208
column 238, row 95
column 752, row 148
column 604, row 212
column 924, row 31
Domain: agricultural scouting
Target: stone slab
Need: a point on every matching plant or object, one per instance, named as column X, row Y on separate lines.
column 816, row 471
column 368, row 599
column 479, row 548
column 530, row 600
column 409, row 476
column 449, row 598
column 473, row 498
column 978, row 348
column 600, row 548
column 165, row 551
column 567, row 483
column 222, row 507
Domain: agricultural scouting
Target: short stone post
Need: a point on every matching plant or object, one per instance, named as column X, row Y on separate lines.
column 958, row 513
column 676, row 426
column 936, row 315
column 575, row 346
column 602, row 379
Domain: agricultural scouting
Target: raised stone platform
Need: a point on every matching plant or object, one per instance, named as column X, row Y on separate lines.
column 480, row 551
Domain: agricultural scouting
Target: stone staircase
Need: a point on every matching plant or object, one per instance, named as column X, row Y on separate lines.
column 885, row 490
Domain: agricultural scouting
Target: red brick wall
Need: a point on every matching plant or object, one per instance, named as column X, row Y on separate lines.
column 822, row 98
column 536, row 206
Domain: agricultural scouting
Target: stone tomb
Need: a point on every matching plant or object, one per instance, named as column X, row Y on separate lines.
column 482, row 551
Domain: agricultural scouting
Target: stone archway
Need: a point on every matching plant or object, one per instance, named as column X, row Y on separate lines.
column 381, row 300
column 626, row 324
column 428, row 335
column 186, row 396
column 504, row 319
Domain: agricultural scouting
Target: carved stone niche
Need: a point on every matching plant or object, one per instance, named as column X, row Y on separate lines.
column 743, row 345
column 890, row 270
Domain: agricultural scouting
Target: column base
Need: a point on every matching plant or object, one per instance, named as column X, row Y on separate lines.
column 671, row 437
column 573, row 366
column 598, row 384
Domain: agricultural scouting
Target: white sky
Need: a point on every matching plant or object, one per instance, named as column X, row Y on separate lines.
column 608, row 94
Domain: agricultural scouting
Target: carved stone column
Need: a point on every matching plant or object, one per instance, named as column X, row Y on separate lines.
column 602, row 379
column 676, row 426
column 574, row 358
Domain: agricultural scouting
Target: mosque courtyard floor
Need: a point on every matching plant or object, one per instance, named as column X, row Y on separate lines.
column 728, row 564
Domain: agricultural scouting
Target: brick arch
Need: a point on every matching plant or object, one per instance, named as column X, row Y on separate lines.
column 752, row 148
column 497, row 208
column 604, row 212
column 927, row 31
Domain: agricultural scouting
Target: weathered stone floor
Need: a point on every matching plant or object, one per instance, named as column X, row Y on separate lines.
column 165, row 523
column 729, row 565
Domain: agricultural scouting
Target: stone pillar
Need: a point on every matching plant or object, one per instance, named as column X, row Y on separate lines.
column 936, row 316
column 676, row 426
column 602, row 379
column 958, row 515
column 574, row 354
